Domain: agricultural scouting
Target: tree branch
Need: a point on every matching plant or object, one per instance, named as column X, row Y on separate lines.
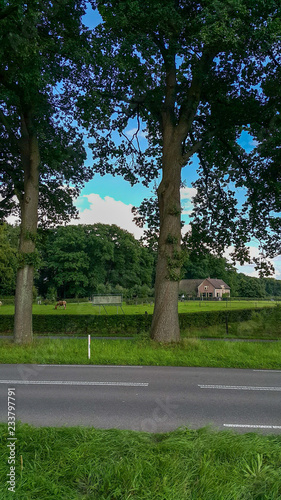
column 197, row 145
column 8, row 85
column 188, row 109
column 270, row 53
column 5, row 121
column 8, row 10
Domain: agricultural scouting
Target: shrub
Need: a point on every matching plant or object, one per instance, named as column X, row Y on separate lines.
column 124, row 325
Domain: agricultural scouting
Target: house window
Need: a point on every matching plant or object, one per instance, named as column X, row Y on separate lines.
column 206, row 287
column 210, row 295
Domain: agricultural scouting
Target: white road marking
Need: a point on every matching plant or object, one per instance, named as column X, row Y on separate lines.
column 240, row 387
column 269, row 371
column 72, row 382
column 253, row 426
column 94, row 366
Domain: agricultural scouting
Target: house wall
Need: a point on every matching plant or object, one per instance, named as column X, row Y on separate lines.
column 206, row 289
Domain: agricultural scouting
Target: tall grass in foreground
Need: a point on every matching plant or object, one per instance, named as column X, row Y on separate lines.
column 87, row 463
column 189, row 352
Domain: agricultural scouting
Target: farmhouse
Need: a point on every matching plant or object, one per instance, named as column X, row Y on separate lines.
column 207, row 288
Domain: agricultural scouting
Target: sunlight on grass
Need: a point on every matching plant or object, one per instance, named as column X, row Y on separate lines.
column 189, row 352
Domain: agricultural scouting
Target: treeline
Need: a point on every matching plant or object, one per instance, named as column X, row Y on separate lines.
column 240, row 284
column 79, row 261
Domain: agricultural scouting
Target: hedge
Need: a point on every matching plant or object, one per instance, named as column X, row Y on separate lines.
column 123, row 324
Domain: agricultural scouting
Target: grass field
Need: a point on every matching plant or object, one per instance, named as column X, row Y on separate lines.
column 189, row 352
column 188, row 306
column 92, row 464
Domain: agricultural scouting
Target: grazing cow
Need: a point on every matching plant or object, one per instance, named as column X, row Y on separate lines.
column 61, row 303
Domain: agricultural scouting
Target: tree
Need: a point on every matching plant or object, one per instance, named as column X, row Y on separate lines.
column 85, row 259
column 8, row 263
column 131, row 264
column 66, row 262
column 42, row 163
column 248, row 286
column 239, row 193
column 175, row 66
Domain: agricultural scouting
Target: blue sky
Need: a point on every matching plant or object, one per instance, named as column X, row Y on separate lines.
column 109, row 199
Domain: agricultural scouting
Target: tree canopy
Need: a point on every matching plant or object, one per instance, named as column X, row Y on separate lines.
column 8, row 261
column 42, row 150
column 78, row 261
column 38, row 54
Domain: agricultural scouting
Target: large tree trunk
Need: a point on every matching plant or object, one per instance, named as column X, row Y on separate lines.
column 29, row 216
column 165, row 322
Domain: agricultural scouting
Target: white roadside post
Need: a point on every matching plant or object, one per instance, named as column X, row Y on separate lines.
column 89, row 346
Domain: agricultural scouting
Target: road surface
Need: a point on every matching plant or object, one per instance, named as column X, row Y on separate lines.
column 146, row 398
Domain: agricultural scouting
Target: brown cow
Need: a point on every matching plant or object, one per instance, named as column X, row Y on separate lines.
column 61, row 303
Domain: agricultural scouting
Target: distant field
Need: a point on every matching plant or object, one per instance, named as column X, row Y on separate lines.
column 184, row 307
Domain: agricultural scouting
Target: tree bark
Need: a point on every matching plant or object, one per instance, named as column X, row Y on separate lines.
column 165, row 322
column 175, row 127
column 30, row 157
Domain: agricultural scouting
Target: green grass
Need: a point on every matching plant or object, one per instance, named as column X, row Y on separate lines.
column 91, row 464
column 189, row 306
column 259, row 327
column 189, row 352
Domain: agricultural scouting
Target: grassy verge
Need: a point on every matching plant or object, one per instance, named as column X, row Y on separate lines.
column 190, row 352
column 86, row 463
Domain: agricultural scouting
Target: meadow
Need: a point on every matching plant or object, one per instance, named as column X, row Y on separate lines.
column 183, row 307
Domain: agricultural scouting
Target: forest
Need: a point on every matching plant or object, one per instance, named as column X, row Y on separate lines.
column 76, row 261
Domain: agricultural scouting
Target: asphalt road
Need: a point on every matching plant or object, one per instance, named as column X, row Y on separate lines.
column 153, row 399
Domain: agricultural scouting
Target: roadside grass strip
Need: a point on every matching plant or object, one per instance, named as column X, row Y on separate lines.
column 86, row 463
column 189, row 352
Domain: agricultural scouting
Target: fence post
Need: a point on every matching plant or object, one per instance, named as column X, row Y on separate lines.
column 226, row 324
column 89, row 346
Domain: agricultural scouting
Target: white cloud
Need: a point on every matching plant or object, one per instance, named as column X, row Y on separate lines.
column 108, row 211
column 249, row 269
column 187, row 194
column 133, row 131
column 12, row 219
